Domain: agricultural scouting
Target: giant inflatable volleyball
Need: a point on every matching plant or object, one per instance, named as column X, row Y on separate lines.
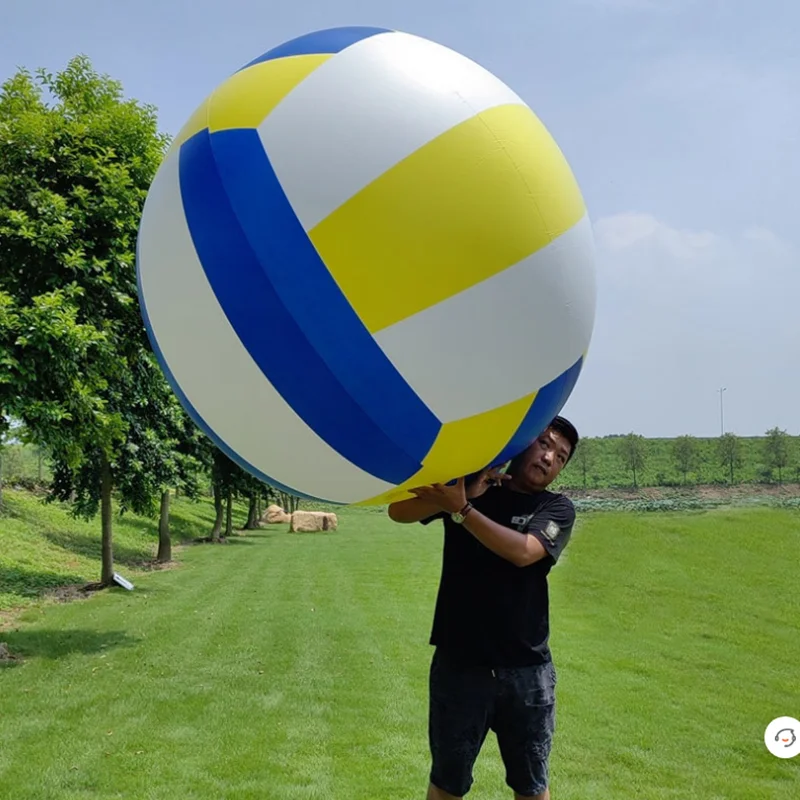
column 366, row 266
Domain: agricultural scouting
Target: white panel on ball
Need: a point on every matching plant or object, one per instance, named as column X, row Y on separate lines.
column 483, row 333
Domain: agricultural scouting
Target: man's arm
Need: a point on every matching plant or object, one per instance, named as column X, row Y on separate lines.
column 413, row 510
column 521, row 549
column 547, row 534
column 417, row 509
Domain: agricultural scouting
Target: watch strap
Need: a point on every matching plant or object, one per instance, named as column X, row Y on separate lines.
column 459, row 516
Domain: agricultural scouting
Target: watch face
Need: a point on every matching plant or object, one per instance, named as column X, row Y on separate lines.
column 457, row 517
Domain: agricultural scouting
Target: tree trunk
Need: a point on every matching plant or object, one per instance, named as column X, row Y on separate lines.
column 164, row 540
column 252, row 513
column 228, row 514
column 107, row 575
column 217, row 529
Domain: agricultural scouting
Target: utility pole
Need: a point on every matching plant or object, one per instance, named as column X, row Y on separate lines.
column 721, row 414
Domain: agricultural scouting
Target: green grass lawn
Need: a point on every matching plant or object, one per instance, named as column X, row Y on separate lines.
column 295, row 666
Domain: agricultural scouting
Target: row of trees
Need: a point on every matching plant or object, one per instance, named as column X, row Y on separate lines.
column 632, row 451
column 77, row 374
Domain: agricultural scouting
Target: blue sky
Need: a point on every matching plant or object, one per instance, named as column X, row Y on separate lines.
column 680, row 119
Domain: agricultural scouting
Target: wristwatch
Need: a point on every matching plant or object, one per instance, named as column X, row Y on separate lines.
column 458, row 516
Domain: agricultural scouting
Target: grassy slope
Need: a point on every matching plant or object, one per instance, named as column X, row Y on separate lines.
column 290, row 666
column 43, row 547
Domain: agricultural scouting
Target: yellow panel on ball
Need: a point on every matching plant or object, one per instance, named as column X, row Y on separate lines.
column 467, row 205
column 472, row 441
column 247, row 97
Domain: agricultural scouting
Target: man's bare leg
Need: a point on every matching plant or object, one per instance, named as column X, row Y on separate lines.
column 545, row 795
column 435, row 793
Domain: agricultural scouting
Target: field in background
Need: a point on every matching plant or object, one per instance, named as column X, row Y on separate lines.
column 607, row 469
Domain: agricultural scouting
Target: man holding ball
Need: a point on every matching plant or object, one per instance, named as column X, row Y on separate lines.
column 492, row 667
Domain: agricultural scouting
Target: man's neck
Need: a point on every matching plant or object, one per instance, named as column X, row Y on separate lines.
column 524, row 488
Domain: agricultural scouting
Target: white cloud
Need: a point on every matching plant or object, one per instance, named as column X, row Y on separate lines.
column 620, row 232
column 682, row 312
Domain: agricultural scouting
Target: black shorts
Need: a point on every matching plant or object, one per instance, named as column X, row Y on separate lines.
column 518, row 704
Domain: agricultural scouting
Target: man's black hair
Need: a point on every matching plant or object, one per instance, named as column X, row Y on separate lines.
column 568, row 431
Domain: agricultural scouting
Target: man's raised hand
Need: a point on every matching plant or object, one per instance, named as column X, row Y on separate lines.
column 491, row 476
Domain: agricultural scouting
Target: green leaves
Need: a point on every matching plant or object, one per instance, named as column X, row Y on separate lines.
column 633, row 454
column 685, row 454
column 75, row 363
column 777, row 450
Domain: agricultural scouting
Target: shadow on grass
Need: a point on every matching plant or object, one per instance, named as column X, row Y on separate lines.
column 87, row 545
column 34, row 583
column 241, row 540
column 54, row 644
column 224, row 541
column 182, row 529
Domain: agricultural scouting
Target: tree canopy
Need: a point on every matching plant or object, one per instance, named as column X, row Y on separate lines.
column 76, row 162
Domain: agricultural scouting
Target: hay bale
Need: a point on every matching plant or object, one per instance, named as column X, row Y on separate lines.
column 313, row 521
column 275, row 515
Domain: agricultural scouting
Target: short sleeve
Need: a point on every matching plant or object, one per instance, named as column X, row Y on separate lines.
column 552, row 525
column 433, row 518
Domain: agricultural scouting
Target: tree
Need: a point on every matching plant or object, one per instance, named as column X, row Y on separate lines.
column 685, row 453
column 76, row 365
column 633, row 453
column 776, row 451
column 730, row 452
column 289, row 502
column 3, row 434
column 229, row 480
column 585, row 456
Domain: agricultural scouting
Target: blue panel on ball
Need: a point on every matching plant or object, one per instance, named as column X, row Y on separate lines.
column 330, row 40
column 195, row 415
column 303, row 335
column 549, row 401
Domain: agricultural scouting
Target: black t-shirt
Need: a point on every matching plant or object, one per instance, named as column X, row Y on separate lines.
column 490, row 612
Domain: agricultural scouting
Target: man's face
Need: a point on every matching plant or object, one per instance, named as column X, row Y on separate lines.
column 544, row 459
